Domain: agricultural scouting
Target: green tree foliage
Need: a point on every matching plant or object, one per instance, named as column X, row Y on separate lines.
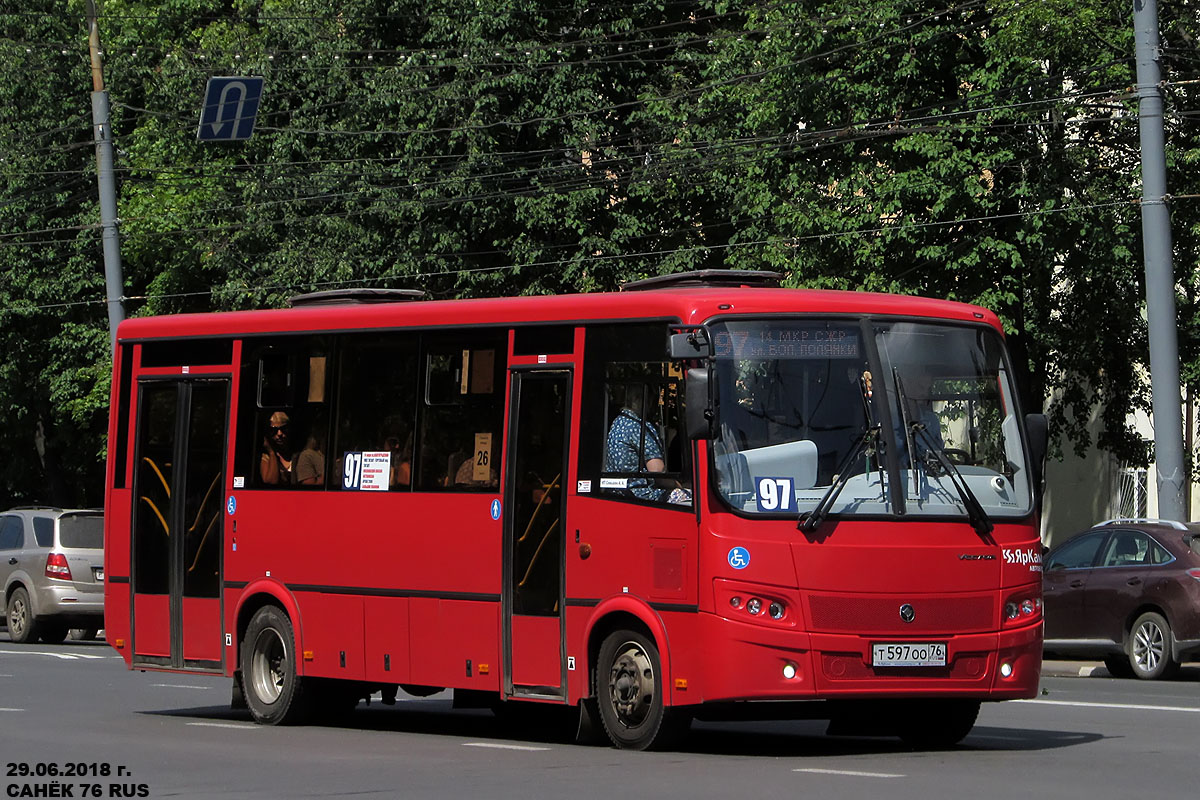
column 53, row 332
column 980, row 150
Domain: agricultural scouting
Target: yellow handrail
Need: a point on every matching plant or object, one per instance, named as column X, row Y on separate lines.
column 200, row 511
column 211, row 524
column 153, row 466
column 157, row 513
column 548, row 488
column 538, row 552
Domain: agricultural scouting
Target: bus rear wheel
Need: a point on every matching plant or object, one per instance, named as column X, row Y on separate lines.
column 629, row 691
column 274, row 693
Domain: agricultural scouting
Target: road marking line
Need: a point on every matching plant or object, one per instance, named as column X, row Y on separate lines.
column 849, row 772
column 63, row 656
column 12, row 709
column 224, row 725
column 1125, row 706
column 504, row 746
column 182, row 686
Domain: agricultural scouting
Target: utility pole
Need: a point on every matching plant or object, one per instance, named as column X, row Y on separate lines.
column 1160, row 277
column 114, row 282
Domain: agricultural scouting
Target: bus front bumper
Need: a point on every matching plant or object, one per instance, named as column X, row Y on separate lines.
column 755, row 662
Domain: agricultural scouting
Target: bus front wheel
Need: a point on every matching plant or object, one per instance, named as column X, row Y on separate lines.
column 629, row 691
column 273, row 691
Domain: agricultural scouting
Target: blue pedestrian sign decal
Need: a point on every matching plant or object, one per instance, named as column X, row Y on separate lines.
column 232, row 506
column 230, row 106
column 495, row 509
column 739, row 558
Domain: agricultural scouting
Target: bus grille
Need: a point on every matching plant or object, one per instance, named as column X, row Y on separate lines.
column 881, row 615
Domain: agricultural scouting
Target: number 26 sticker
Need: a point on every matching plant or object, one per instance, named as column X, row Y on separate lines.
column 776, row 494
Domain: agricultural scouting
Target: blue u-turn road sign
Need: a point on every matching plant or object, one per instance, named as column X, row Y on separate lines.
column 230, row 106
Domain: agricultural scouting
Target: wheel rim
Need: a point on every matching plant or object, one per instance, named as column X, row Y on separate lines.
column 16, row 617
column 269, row 666
column 631, row 685
column 1149, row 645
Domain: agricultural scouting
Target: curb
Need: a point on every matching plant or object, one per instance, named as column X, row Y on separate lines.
column 1074, row 669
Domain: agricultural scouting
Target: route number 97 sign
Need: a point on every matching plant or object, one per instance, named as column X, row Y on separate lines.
column 776, row 494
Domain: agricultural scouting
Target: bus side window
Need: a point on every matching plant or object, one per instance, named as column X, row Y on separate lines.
column 283, row 413
column 631, row 447
column 462, row 413
column 643, row 453
column 377, row 407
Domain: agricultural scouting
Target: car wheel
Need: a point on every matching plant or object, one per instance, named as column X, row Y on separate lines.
column 1150, row 653
column 629, row 690
column 935, row 724
column 22, row 627
column 52, row 632
column 274, row 693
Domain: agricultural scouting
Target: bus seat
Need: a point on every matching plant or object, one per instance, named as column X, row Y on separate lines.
column 796, row 460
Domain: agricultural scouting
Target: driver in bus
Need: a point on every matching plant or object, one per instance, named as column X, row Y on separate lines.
column 633, row 445
column 919, row 409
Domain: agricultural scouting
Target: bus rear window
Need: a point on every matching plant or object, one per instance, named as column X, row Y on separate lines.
column 81, row 531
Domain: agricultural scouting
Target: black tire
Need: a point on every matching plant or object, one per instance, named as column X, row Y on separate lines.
column 629, row 691
column 935, row 724
column 22, row 627
column 274, row 693
column 84, row 634
column 1150, row 642
column 1118, row 666
column 52, row 632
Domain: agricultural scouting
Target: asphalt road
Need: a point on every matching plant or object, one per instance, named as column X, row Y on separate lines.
column 76, row 707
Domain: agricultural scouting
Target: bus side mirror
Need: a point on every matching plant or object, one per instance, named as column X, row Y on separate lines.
column 700, row 411
column 1037, row 429
column 694, row 344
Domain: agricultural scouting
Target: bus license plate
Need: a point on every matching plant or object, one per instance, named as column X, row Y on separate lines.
column 908, row 654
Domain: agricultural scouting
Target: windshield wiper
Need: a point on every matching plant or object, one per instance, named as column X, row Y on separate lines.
column 975, row 514
column 809, row 520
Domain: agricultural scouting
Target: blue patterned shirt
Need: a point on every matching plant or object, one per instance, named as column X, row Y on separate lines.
column 623, row 452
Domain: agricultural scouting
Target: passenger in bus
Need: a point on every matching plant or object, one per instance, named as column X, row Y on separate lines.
column 309, row 466
column 275, row 466
column 401, row 472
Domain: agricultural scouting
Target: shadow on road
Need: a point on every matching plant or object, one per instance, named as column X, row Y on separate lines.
column 773, row 739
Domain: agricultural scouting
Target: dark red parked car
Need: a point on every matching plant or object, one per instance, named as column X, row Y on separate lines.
column 1127, row 591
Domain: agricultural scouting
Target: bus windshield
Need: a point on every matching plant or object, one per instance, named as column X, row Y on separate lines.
column 912, row 416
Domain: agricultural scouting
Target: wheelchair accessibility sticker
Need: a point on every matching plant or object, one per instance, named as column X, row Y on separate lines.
column 739, row 558
column 232, row 505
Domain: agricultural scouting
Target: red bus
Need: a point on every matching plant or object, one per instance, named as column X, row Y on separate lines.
column 701, row 496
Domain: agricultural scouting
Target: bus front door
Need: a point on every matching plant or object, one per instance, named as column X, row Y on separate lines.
column 177, row 523
column 534, row 662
